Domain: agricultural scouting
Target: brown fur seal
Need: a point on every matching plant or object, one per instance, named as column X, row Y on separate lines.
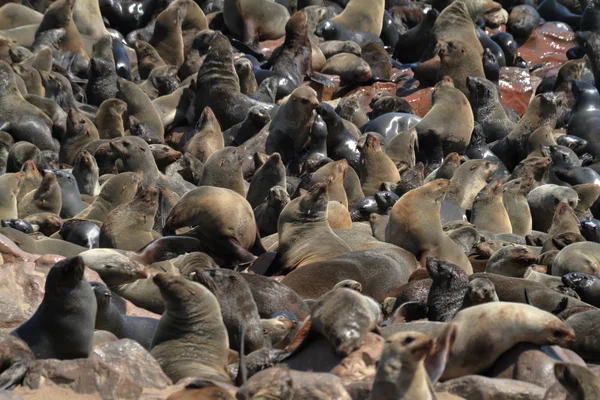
column 290, row 128
column 237, row 307
column 109, row 119
column 148, row 58
column 63, row 325
column 474, row 336
column 488, row 212
column 362, row 16
column 207, row 137
column 129, row 226
column 47, row 198
column 415, row 225
column 167, row 36
column 255, row 20
column 269, row 175
column 191, row 339
column 511, row 261
column 267, row 214
column 344, row 317
column 468, row 181
column 454, row 132
column 60, row 16
column 459, row 61
column 11, row 184
column 333, row 175
column 304, row 234
column 118, row 190
column 224, row 169
column 376, row 167
column 223, row 220
column 140, row 106
column 579, row 381
column 515, row 202
column 16, row 357
column 80, row 132
column 577, row 257
column 564, row 221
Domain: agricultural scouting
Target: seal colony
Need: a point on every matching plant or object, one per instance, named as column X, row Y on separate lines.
column 308, row 199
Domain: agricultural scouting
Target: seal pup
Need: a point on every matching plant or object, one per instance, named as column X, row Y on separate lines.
column 46, row 198
column 207, row 137
column 267, row 213
column 487, row 109
column 304, row 232
column 129, row 226
column 237, row 307
column 81, row 131
column 191, row 338
column 448, row 289
column 63, row 325
column 421, row 233
column 272, row 173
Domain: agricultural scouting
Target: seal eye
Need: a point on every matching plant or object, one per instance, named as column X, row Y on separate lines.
column 408, row 340
column 126, row 144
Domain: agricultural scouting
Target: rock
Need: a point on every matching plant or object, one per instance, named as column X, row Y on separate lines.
column 475, row 387
column 516, row 88
column 130, row 359
column 82, row 376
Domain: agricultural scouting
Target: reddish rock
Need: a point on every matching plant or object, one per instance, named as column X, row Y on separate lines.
column 129, row 358
column 420, row 101
column 516, row 88
column 548, row 43
column 83, row 376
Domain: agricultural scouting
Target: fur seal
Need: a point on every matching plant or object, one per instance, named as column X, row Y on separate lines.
column 468, row 181
column 218, row 86
column 167, row 36
column 140, row 106
column 47, row 198
column 129, row 226
column 16, row 358
column 511, row 261
column 253, row 21
column 81, row 233
column 81, row 131
column 344, row 317
column 59, row 15
column 109, row 119
column 108, row 318
column 585, row 285
column 544, row 200
column 359, row 15
column 118, row 190
column 515, row 202
column 448, row 289
column 70, row 195
column 237, row 307
column 458, row 61
column 446, row 98
column 330, row 30
column 63, row 325
column 375, row 167
column 422, row 233
column 303, row 231
column 487, row 109
column 11, row 184
column 269, row 175
column 577, row 257
column 530, row 325
column 207, row 137
column 267, row 214
column 36, row 128
column 224, row 169
column 488, row 211
column 223, row 220
column 191, row 339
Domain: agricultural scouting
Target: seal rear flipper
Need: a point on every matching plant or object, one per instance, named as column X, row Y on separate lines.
column 248, row 48
column 236, row 252
column 167, row 248
column 435, row 363
column 258, row 248
column 12, row 376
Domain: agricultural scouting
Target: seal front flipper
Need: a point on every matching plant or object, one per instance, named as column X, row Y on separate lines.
column 262, row 264
column 321, row 79
column 435, row 363
column 252, row 49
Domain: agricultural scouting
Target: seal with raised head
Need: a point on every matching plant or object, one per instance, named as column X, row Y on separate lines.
column 376, row 167
column 488, row 211
column 63, row 325
column 129, row 226
column 421, row 232
column 46, row 198
column 191, row 338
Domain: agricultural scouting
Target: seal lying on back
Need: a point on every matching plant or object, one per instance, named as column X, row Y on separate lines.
column 191, row 339
column 63, row 325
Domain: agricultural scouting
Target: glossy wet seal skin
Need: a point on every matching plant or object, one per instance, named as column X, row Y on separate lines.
column 301, row 199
